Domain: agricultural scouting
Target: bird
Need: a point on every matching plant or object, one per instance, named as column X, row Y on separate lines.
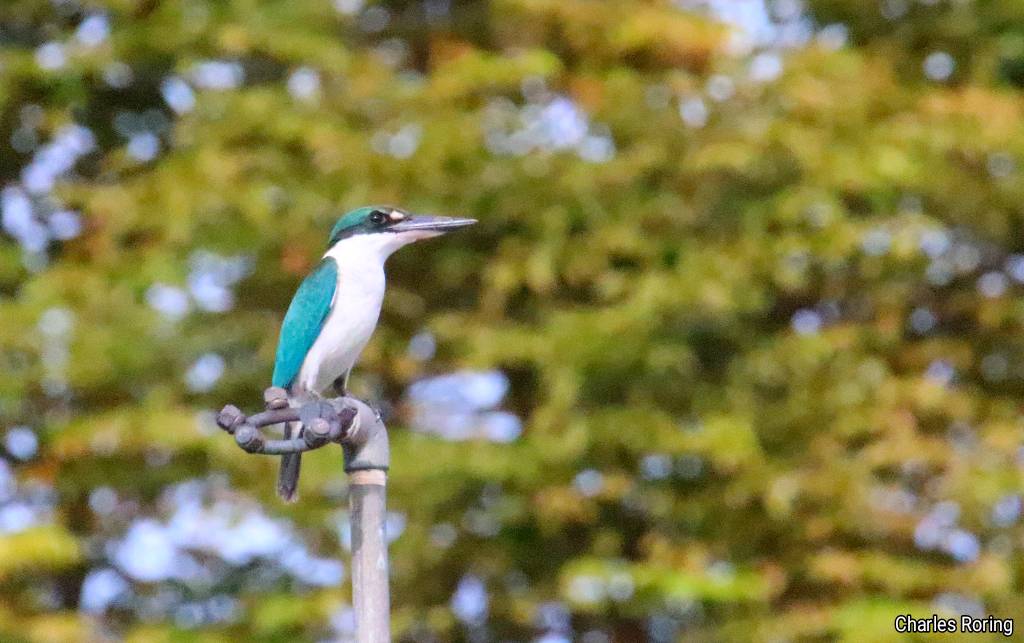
column 335, row 310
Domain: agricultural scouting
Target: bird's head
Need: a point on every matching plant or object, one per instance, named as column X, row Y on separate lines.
column 390, row 227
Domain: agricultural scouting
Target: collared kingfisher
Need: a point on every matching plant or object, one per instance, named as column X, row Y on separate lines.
column 335, row 309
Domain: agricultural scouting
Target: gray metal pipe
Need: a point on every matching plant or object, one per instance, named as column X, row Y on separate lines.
column 367, row 457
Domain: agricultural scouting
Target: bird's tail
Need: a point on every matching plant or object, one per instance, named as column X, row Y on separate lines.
column 288, row 476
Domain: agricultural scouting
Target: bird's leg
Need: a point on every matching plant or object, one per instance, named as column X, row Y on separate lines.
column 275, row 398
column 341, row 388
column 341, row 385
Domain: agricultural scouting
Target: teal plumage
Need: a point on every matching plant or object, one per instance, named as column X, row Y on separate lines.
column 304, row 321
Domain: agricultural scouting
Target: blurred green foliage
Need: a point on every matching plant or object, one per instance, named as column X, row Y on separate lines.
column 758, row 308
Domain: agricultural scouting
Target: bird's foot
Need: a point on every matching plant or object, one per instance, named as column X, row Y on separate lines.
column 275, row 397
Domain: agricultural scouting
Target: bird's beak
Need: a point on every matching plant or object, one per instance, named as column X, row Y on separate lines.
column 424, row 223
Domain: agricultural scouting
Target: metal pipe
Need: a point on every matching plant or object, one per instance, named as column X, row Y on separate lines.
column 370, row 595
column 367, row 458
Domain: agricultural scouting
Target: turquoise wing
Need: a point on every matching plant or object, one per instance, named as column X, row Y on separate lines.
column 304, row 320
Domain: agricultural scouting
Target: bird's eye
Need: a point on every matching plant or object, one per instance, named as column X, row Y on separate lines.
column 378, row 218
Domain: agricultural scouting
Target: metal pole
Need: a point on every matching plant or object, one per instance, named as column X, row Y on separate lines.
column 367, row 497
column 364, row 440
column 366, row 462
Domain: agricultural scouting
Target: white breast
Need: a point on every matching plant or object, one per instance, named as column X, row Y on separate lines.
column 354, row 312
